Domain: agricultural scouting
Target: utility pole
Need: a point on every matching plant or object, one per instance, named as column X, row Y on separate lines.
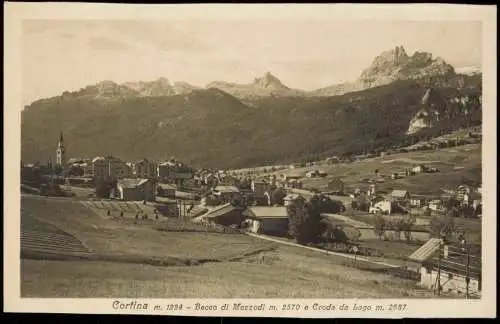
column 439, row 268
column 467, row 276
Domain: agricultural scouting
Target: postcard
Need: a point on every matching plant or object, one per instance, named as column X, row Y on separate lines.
column 292, row 160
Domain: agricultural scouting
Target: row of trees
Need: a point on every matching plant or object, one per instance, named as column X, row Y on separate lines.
column 400, row 225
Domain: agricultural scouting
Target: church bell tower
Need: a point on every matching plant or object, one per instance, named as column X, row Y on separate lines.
column 60, row 152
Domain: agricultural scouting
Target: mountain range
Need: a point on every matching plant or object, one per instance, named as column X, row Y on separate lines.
column 389, row 66
column 236, row 125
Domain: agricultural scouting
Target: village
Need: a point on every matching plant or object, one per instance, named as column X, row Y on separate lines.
column 365, row 219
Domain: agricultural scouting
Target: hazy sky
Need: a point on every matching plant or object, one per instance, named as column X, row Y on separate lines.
column 61, row 55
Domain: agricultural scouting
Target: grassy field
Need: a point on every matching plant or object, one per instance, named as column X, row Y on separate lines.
column 286, row 273
column 236, row 265
column 453, row 165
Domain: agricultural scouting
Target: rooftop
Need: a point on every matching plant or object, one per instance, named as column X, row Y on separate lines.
column 131, row 183
column 425, row 251
column 399, row 193
column 227, row 189
column 219, row 211
column 266, row 212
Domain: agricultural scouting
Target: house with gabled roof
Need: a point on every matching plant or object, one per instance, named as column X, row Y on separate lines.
column 267, row 220
column 400, row 195
column 225, row 215
column 227, row 193
column 135, row 189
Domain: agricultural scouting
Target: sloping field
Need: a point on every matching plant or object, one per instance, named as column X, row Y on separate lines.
column 467, row 158
column 107, row 236
column 226, row 265
column 286, row 273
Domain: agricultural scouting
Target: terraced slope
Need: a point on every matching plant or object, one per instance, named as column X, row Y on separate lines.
column 40, row 239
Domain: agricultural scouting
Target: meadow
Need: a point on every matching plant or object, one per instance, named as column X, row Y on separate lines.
column 223, row 265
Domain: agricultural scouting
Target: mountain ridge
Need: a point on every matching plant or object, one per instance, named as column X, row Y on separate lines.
column 211, row 128
column 389, row 66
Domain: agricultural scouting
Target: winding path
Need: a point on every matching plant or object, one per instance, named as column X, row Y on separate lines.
column 344, row 255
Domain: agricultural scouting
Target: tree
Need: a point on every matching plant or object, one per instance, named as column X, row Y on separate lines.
column 305, row 220
column 296, row 216
column 451, row 203
column 442, row 226
column 277, row 196
column 379, row 226
column 407, row 226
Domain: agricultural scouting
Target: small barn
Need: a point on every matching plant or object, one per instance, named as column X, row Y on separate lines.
column 135, row 190
column 166, row 190
column 267, row 220
column 225, row 215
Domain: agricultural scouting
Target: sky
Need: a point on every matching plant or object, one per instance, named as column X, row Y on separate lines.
column 66, row 55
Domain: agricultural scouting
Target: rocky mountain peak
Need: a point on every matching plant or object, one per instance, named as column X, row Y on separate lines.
column 268, row 80
column 396, row 64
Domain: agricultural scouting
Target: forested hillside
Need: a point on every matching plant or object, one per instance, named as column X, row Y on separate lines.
column 214, row 129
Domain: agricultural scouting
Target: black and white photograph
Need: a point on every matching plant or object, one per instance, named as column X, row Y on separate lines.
column 252, row 157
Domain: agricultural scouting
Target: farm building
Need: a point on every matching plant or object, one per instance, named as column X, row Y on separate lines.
column 226, row 215
column 419, row 168
column 135, row 190
column 449, row 265
column 336, row 186
column 400, row 195
column 267, row 220
column 166, row 190
column 227, row 193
